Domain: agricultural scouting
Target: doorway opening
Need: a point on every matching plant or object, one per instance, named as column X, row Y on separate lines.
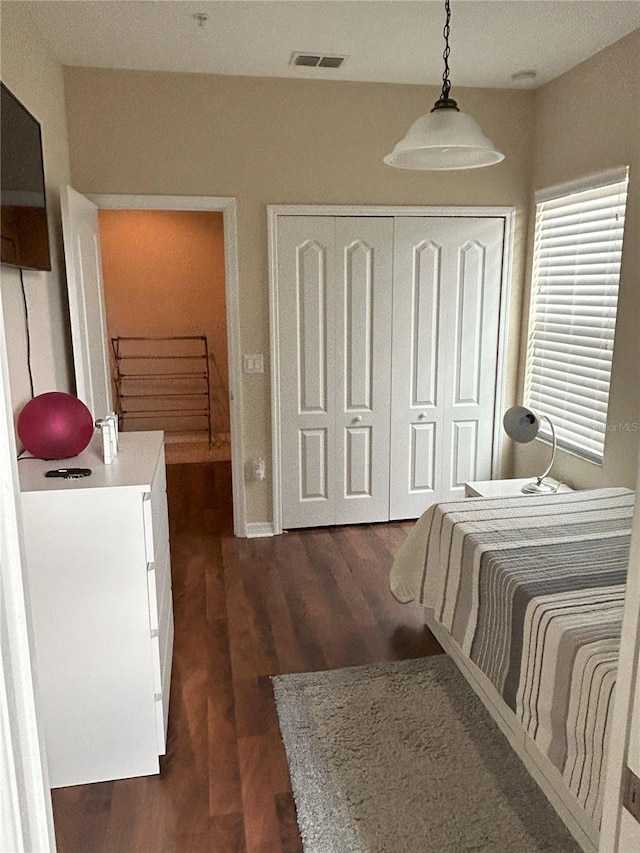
column 170, row 270
column 165, row 301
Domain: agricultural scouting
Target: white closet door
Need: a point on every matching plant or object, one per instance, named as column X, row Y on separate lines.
column 446, row 299
column 306, row 284
column 472, row 313
column 334, row 289
column 417, row 372
column 364, row 251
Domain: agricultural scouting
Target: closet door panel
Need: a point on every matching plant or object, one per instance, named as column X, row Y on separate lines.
column 470, row 289
column 311, row 332
column 416, row 395
column 359, row 462
column 423, row 457
column 471, row 311
column 312, row 462
column 358, row 325
column 306, row 265
column 425, row 325
column 364, row 251
column 463, row 465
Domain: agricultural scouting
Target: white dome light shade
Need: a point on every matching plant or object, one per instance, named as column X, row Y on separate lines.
column 443, row 140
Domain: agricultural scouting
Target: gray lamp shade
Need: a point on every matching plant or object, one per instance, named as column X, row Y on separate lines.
column 445, row 139
column 521, row 424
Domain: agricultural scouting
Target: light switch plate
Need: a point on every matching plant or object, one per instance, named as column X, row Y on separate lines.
column 631, row 793
column 254, row 363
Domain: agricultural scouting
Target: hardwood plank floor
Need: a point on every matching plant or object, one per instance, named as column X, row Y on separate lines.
column 244, row 610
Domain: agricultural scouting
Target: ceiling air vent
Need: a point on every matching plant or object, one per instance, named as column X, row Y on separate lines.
column 331, row 61
column 315, row 60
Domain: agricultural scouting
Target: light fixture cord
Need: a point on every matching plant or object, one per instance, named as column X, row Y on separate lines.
column 27, row 331
column 446, row 83
column 444, row 102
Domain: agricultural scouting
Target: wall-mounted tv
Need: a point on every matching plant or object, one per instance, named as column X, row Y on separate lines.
column 24, row 235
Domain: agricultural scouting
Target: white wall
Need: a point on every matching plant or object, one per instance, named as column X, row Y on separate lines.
column 35, row 77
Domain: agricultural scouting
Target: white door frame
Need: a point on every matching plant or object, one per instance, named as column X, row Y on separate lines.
column 26, row 820
column 85, row 294
column 274, row 211
column 227, row 206
column 619, row 829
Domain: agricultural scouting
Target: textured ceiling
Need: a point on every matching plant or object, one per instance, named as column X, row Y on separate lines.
column 384, row 40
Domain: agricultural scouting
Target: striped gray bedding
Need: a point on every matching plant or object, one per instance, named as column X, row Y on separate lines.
column 531, row 589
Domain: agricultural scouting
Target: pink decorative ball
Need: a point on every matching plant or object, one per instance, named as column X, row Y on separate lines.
column 55, row 426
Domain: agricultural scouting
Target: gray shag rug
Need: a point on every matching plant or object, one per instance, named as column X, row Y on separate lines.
column 403, row 758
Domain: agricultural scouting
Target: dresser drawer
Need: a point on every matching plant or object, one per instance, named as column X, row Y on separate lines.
column 162, row 699
column 158, row 585
column 161, row 653
column 159, row 636
column 156, row 521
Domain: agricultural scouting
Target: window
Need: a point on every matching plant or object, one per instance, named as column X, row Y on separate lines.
column 574, row 299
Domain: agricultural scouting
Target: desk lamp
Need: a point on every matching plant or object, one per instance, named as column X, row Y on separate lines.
column 522, row 425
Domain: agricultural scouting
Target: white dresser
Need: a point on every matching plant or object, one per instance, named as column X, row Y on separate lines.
column 99, row 577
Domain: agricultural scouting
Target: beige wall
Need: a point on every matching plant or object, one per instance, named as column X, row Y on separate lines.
column 268, row 141
column 164, row 276
column 274, row 141
column 586, row 121
column 35, row 78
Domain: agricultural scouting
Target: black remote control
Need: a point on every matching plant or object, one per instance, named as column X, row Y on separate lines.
column 69, row 473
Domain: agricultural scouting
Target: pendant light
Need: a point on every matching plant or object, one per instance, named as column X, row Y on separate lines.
column 446, row 139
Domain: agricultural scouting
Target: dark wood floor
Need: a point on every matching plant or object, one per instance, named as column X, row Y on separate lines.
column 244, row 610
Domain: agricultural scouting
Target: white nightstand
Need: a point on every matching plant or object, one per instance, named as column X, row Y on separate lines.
column 505, row 488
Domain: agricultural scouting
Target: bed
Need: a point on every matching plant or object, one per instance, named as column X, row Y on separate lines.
column 526, row 594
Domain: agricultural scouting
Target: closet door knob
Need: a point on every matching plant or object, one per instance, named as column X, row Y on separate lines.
column 357, row 419
column 421, row 416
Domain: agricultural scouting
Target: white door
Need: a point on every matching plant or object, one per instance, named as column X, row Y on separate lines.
column 446, row 308
column 364, row 270
column 334, row 316
column 86, row 302
column 26, row 820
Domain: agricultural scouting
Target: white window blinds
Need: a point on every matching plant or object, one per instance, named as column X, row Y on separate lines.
column 576, row 268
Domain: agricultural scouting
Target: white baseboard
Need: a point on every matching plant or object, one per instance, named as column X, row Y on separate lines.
column 257, row 529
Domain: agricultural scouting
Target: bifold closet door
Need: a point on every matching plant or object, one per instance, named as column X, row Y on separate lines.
column 446, row 308
column 334, row 315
